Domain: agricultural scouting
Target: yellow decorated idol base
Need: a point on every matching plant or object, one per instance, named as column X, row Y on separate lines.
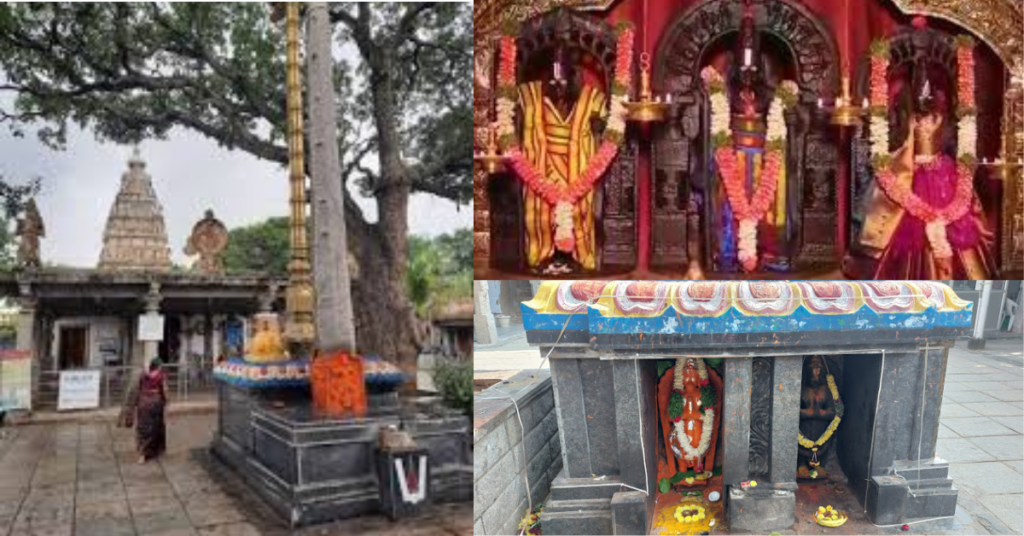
column 669, row 517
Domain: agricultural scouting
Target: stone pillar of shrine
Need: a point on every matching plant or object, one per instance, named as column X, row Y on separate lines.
column 485, row 332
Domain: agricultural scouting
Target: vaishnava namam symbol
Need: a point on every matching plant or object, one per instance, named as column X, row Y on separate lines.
column 409, row 480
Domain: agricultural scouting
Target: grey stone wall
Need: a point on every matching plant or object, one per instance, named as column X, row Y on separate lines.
column 502, row 453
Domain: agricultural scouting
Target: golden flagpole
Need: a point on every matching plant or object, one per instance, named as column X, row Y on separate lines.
column 299, row 298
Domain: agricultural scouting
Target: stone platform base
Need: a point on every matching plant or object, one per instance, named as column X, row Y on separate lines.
column 314, row 469
column 913, row 490
column 770, row 510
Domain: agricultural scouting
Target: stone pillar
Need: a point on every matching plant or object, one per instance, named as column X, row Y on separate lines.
column 736, row 424
column 782, row 456
column 977, row 342
column 484, row 329
column 152, row 303
column 208, row 338
column 25, row 338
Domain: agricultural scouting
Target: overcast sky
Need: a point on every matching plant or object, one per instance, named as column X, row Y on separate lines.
column 190, row 174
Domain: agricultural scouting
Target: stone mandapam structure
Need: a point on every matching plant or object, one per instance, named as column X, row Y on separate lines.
column 609, row 337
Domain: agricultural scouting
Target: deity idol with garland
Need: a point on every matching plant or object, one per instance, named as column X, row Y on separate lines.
column 923, row 219
column 570, row 133
column 689, row 395
column 749, row 152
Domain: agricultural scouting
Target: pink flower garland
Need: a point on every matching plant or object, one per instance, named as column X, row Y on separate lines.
column 922, row 210
column 879, row 85
column 965, row 75
column 735, row 187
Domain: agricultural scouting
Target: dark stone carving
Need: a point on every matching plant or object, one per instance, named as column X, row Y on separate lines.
column 618, row 211
column 507, row 246
column 760, row 417
column 682, row 153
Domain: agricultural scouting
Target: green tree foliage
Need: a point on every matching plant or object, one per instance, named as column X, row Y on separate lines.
column 440, row 270
column 131, row 71
column 7, row 245
column 260, row 247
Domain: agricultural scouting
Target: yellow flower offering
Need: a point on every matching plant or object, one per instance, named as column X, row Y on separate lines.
column 753, row 483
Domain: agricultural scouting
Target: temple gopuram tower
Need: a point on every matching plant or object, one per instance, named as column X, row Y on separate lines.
column 135, row 237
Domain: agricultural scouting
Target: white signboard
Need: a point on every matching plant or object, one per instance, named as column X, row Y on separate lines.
column 79, row 389
column 151, row 327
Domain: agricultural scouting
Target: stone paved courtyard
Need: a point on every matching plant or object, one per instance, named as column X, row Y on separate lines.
column 82, row 480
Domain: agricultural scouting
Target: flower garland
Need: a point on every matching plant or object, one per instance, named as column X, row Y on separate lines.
column 706, row 405
column 562, row 196
column 748, row 212
column 935, row 219
column 840, row 409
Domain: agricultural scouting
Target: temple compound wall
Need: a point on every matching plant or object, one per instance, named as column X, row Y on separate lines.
column 501, row 454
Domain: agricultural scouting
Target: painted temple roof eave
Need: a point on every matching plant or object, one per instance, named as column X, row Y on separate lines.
column 650, row 316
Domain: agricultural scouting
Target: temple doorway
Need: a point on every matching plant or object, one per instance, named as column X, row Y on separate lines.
column 73, row 344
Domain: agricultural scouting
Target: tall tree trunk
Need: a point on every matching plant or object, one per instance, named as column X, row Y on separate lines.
column 393, row 207
column 335, row 330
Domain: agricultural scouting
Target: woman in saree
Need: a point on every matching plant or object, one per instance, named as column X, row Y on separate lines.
column 144, row 408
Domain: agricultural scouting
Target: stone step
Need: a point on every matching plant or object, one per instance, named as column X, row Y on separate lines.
column 581, row 505
column 576, row 522
column 570, row 489
column 930, row 483
column 929, row 503
column 923, row 469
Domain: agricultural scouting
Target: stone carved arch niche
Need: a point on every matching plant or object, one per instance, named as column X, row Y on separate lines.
column 682, row 149
column 593, row 40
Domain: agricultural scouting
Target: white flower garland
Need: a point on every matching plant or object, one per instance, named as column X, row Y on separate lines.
column 967, row 136
column 879, row 134
column 563, row 222
column 709, row 414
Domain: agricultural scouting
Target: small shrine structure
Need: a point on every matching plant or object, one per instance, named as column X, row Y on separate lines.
column 754, row 351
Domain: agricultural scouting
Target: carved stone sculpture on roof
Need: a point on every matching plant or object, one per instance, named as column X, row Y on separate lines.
column 30, row 229
column 208, row 239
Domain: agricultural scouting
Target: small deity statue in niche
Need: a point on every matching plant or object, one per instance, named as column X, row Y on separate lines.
column 561, row 128
column 689, row 395
column 752, row 225
column 820, row 411
column 911, row 228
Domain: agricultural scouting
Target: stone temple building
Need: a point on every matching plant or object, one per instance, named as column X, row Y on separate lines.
column 73, row 318
column 135, row 237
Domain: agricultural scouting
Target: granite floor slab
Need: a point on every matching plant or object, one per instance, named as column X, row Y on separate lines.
column 977, row 427
column 954, row 410
column 961, row 450
column 1002, row 447
column 968, row 396
column 82, row 480
column 993, row 408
